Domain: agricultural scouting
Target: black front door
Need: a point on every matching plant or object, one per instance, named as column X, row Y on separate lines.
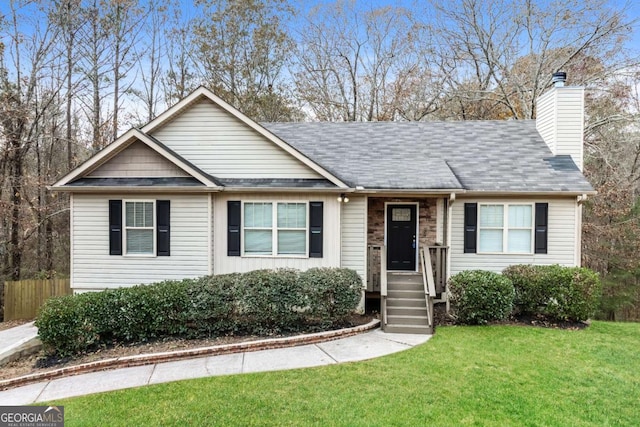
column 401, row 237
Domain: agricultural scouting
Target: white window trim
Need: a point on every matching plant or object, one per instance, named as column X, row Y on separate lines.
column 126, row 253
column 505, row 228
column 274, row 230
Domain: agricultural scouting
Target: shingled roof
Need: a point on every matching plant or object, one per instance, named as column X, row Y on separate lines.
column 489, row 156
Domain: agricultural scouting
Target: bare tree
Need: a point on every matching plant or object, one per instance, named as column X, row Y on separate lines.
column 66, row 15
column 22, row 107
column 241, row 49
column 121, row 23
column 180, row 78
column 94, row 66
column 150, row 54
column 499, row 55
column 350, row 61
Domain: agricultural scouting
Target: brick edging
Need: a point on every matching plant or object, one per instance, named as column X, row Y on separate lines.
column 153, row 358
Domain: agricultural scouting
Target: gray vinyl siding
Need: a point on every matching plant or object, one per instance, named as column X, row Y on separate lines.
column 94, row 269
column 562, row 238
column 223, row 146
column 354, row 235
column 230, row 264
column 138, row 161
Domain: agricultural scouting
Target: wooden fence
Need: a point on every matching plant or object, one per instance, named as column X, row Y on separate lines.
column 23, row 299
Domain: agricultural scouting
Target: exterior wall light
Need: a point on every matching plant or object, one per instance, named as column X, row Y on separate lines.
column 343, row 199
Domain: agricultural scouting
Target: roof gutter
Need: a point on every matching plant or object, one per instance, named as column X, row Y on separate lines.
column 133, row 189
column 408, row 191
column 529, row 193
column 287, row 190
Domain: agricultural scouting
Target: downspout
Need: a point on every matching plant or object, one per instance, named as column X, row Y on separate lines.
column 578, row 258
column 447, row 242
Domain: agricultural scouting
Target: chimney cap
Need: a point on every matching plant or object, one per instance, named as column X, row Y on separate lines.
column 558, row 78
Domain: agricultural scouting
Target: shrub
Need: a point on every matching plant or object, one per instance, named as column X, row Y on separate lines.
column 259, row 302
column 63, row 324
column 270, row 301
column 481, row 296
column 76, row 323
column 212, row 307
column 531, row 292
column 332, row 293
column 561, row 293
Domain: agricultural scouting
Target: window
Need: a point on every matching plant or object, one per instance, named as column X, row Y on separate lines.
column 275, row 228
column 139, row 228
column 258, row 228
column 505, row 228
column 292, row 228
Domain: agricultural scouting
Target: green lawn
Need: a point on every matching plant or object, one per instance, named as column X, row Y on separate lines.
column 495, row 376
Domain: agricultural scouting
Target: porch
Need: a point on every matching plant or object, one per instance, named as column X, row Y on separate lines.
column 406, row 260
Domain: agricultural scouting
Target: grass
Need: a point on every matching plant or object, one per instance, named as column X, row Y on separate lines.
column 475, row 376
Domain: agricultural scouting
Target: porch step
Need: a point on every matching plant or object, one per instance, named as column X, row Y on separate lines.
column 407, row 302
column 402, row 293
column 408, row 329
column 406, row 311
column 406, row 320
column 405, row 286
column 405, row 278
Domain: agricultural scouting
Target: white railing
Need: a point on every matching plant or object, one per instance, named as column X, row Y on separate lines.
column 429, row 284
column 383, row 284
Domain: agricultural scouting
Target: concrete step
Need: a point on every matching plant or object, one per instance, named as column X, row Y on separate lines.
column 407, row 311
column 407, row 302
column 406, row 320
column 401, row 293
column 408, row 329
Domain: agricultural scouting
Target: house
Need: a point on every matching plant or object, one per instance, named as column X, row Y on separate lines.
column 202, row 189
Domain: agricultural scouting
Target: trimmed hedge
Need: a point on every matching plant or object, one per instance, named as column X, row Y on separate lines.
column 255, row 303
column 561, row 293
column 481, row 296
column 326, row 302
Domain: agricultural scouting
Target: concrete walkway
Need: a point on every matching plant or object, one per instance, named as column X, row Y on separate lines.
column 18, row 341
column 350, row 349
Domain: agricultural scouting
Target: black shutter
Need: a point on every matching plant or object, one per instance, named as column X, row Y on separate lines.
column 163, row 223
column 115, row 227
column 470, row 227
column 315, row 229
column 233, row 227
column 542, row 227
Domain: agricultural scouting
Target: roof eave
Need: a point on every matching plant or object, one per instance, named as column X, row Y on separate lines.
column 133, row 189
column 558, row 193
column 287, row 189
column 410, row 191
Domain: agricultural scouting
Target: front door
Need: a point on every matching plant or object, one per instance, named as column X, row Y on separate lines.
column 401, row 237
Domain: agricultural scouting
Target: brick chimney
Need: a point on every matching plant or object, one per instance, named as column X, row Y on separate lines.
column 560, row 118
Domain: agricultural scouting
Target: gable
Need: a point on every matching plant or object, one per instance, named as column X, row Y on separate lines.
column 140, row 161
column 223, row 146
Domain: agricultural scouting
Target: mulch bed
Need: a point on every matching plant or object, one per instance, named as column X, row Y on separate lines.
column 442, row 318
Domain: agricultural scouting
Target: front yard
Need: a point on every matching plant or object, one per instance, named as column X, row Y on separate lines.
column 496, row 376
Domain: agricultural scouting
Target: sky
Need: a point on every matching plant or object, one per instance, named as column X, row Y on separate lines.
column 304, row 6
